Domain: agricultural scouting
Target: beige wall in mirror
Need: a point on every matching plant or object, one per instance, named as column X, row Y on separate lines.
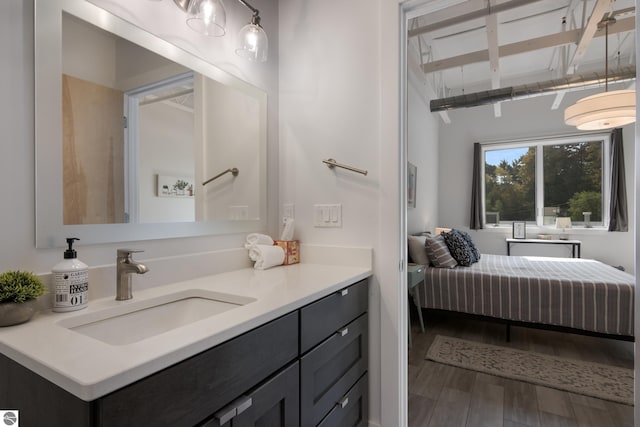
column 140, row 126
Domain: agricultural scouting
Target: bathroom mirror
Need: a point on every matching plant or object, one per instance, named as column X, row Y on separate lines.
column 129, row 127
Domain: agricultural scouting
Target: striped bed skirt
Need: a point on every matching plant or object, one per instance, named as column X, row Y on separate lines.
column 568, row 292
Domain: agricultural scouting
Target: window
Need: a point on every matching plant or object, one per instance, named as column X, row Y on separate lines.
column 539, row 180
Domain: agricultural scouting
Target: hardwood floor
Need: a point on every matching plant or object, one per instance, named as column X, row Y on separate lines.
column 444, row 396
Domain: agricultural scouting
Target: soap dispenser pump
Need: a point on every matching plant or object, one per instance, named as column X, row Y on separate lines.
column 71, row 281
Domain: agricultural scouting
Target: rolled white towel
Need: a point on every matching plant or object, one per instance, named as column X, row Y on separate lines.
column 257, row 239
column 266, row 256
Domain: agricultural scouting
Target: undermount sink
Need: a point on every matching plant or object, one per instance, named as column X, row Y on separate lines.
column 138, row 320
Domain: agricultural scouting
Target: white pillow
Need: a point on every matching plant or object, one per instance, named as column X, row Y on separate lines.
column 417, row 251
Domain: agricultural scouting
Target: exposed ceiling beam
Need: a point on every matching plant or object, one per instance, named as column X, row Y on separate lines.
column 552, row 40
column 494, row 57
column 589, row 31
column 430, row 92
column 464, row 12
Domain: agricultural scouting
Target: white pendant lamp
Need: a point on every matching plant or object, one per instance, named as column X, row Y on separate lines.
column 604, row 110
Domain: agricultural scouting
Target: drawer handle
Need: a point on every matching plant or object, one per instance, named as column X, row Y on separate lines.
column 343, row 332
column 344, row 292
column 225, row 415
column 344, row 402
column 233, row 409
column 243, row 404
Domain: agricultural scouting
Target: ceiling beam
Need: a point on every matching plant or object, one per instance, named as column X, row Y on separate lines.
column 552, row 40
column 464, row 12
column 589, row 31
column 494, row 57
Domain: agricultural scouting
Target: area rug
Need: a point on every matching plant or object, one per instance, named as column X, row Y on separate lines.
column 576, row 376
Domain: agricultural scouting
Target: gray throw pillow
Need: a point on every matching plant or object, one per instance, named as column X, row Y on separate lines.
column 438, row 252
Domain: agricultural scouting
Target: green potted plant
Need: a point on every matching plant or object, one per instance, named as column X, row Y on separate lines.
column 18, row 293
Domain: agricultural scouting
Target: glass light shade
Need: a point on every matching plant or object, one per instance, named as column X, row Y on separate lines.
column 252, row 43
column 603, row 111
column 207, row 17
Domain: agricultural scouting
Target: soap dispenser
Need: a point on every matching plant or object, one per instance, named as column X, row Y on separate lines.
column 71, row 281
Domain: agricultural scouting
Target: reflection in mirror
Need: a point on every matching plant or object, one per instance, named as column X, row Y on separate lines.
column 156, row 97
column 142, row 126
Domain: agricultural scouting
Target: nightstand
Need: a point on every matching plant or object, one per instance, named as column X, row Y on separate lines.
column 415, row 275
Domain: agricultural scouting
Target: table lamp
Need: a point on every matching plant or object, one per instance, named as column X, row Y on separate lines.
column 563, row 222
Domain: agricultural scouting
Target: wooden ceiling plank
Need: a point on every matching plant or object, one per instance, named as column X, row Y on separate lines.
column 468, row 11
column 589, row 31
column 551, row 40
column 494, row 57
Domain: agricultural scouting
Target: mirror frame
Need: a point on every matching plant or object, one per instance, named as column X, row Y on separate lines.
column 50, row 230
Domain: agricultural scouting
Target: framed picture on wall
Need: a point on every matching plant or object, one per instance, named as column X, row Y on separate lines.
column 412, row 171
column 519, row 230
column 171, row 186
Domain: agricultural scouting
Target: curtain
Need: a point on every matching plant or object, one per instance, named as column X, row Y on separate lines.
column 618, row 220
column 476, row 190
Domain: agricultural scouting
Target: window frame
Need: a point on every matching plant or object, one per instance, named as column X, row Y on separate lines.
column 539, row 144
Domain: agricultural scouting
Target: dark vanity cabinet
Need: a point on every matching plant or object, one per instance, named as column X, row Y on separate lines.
column 306, row 368
column 334, row 358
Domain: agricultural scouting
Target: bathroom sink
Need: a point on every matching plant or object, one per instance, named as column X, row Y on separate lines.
column 133, row 321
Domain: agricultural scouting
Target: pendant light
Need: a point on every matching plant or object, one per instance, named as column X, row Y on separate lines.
column 252, row 41
column 604, row 110
column 209, row 17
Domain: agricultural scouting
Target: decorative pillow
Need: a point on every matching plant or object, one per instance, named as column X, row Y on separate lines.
column 474, row 249
column 458, row 248
column 417, row 250
column 438, row 252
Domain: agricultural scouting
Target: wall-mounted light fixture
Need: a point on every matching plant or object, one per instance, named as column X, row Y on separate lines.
column 209, row 17
column 604, row 110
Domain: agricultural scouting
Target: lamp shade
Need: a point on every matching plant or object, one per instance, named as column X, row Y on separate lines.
column 603, row 111
column 440, row 230
column 207, row 17
column 252, row 42
column 563, row 222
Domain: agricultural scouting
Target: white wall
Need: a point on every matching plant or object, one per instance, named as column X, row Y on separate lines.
column 334, row 104
column 231, row 118
column 166, row 147
column 423, row 148
column 525, row 118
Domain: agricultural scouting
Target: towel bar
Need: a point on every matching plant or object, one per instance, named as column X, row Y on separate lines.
column 332, row 163
column 234, row 172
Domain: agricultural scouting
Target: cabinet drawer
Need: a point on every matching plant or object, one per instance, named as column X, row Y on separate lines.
column 320, row 319
column 190, row 391
column 353, row 409
column 275, row 402
column 331, row 369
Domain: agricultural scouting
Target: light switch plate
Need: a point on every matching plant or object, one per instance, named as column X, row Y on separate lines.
column 288, row 211
column 327, row 215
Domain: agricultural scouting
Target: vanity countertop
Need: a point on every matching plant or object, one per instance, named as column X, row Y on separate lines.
column 89, row 368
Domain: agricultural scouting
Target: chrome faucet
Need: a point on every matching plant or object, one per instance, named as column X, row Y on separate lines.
column 125, row 266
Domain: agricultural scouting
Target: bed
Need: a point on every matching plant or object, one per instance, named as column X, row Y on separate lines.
column 577, row 295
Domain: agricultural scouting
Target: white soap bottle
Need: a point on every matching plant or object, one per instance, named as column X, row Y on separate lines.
column 71, row 281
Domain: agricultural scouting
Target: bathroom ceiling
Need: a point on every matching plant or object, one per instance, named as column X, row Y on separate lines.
column 480, row 45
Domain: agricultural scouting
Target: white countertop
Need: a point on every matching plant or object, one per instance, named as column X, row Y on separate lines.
column 89, row 368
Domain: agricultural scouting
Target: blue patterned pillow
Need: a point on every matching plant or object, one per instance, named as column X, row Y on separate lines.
column 459, row 248
column 474, row 249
